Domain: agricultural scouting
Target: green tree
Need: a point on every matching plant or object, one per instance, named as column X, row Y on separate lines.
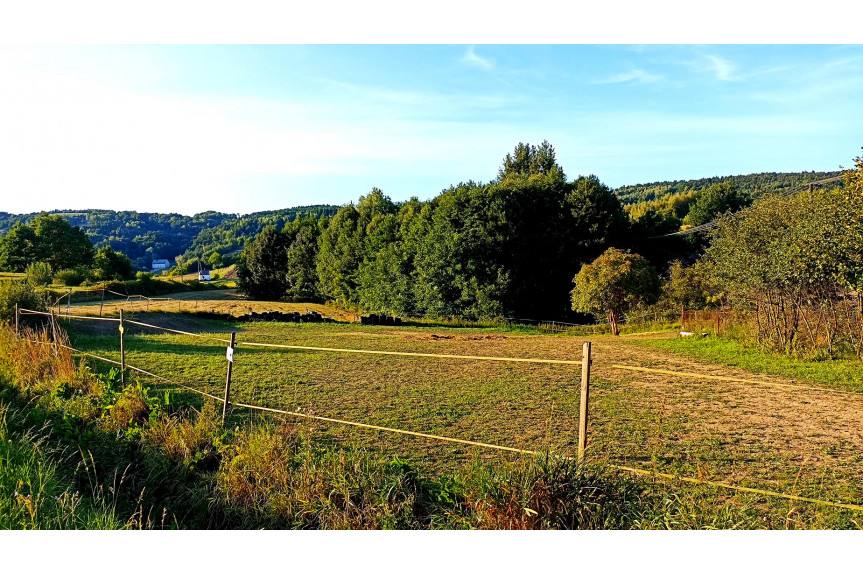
column 111, row 265
column 792, row 261
column 214, row 260
column 598, row 216
column 262, row 266
column 60, row 244
column 19, row 248
column 716, row 200
column 614, row 283
column 528, row 160
column 302, row 238
column 344, row 245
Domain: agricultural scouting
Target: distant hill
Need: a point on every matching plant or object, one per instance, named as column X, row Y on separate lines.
column 217, row 238
column 145, row 236
column 755, row 184
column 225, row 240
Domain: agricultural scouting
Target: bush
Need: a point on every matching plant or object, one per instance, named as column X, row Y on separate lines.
column 21, row 293
column 38, row 274
column 69, row 278
column 143, row 276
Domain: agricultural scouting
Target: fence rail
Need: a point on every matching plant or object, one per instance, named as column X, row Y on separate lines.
column 584, row 363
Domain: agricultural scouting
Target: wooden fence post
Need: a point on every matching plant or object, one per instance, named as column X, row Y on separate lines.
column 69, row 303
column 101, row 303
column 585, row 394
column 230, row 355
column 122, row 351
column 54, row 332
column 16, row 320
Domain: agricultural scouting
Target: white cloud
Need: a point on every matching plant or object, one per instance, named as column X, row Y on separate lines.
column 471, row 58
column 722, row 68
column 634, row 75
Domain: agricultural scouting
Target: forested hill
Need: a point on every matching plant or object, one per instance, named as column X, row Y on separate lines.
column 144, row 236
column 216, row 238
column 219, row 244
column 753, row 184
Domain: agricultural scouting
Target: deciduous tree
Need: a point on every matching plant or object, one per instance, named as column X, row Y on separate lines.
column 614, row 283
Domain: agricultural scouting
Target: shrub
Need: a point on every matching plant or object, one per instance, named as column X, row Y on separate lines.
column 143, row 276
column 38, row 274
column 69, row 278
column 21, row 293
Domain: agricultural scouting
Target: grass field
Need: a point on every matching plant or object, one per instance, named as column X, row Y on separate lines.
column 787, row 439
column 845, row 374
column 221, row 301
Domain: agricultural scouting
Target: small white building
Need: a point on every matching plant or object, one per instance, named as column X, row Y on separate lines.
column 159, row 265
column 204, row 275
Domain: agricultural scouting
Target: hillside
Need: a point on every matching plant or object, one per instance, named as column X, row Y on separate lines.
column 218, row 245
column 754, row 184
column 145, row 236
column 217, row 238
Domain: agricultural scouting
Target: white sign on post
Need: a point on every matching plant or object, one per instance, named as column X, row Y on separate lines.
column 230, row 354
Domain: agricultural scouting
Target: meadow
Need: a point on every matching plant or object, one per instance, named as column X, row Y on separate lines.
column 798, row 436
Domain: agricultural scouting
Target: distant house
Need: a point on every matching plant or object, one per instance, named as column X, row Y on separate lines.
column 159, row 265
column 204, row 275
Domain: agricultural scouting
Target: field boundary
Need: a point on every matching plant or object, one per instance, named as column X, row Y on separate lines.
column 636, row 471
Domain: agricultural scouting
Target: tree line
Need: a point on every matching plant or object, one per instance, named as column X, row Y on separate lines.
column 790, row 268
column 49, row 247
column 506, row 248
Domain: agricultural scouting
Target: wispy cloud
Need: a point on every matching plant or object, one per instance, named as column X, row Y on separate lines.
column 634, row 75
column 722, row 69
column 471, row 58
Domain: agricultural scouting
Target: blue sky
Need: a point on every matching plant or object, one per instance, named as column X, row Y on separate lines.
column 242, row 128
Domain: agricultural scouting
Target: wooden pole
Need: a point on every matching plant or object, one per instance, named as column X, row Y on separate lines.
column 16, row 319
column 585, row 395
column 69, row 303
column 230, row 356
column 54, row 332
column 682, row 317
column 101, row 303
column 122, row 351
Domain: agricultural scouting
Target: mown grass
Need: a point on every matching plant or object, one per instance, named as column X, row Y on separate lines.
column 841, row 373
column 525, row 406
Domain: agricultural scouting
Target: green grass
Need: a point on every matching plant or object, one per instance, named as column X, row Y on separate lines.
column 181, row 467
column 843, row 374
column 672, row 430
column 34, row 494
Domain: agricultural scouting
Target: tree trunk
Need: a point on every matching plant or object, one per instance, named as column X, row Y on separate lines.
column 614, row 329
